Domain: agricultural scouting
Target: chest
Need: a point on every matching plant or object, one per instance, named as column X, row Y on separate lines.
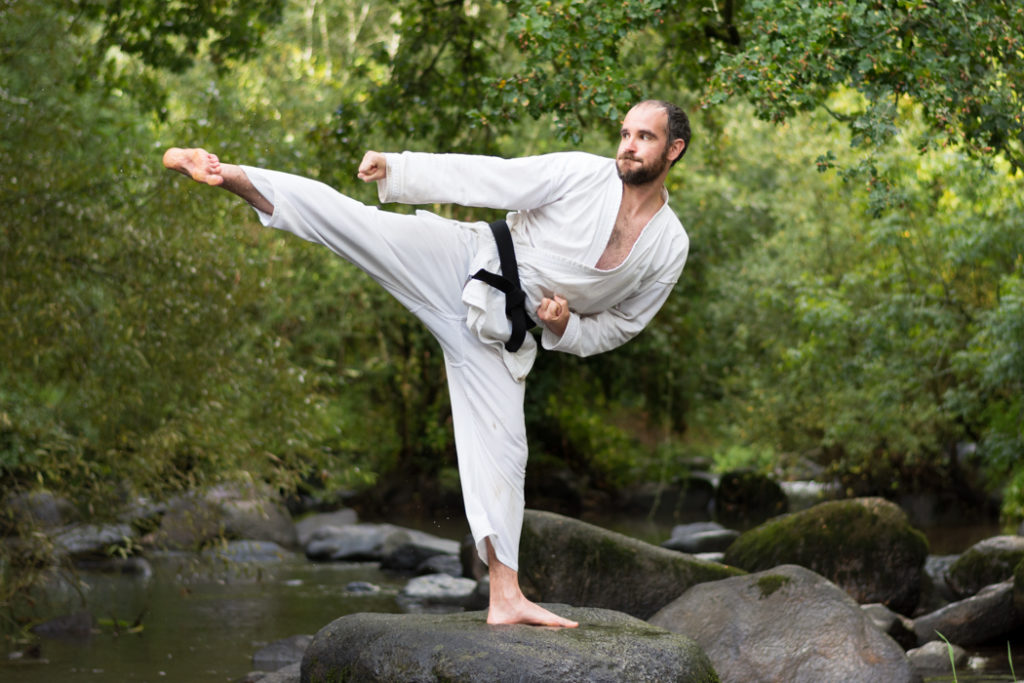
column 625, row 232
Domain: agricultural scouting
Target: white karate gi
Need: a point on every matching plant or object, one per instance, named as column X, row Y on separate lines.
column 564, row 208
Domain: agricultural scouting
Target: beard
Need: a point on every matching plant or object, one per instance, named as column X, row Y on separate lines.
column 643, row 174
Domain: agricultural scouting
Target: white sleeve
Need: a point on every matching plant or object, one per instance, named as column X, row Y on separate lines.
column 587, row 335
column 481, row 181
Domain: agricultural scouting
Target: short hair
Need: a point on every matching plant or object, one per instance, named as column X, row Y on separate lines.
column 678, row 123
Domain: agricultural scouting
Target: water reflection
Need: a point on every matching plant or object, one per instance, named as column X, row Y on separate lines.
column 200, row 622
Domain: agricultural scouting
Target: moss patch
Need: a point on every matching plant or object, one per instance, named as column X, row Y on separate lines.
column 770, row 583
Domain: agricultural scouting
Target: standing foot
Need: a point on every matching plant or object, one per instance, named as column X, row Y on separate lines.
column 522, row 611
column 508, row 605
column 198, row 164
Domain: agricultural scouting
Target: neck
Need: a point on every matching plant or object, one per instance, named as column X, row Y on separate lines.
column 647, row 197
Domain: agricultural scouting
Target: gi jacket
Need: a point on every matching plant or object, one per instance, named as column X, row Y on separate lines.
column 563, row 208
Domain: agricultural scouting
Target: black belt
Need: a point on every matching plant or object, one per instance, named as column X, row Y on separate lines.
column 508, row 282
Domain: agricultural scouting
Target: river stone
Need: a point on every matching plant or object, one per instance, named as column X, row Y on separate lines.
column 38, row 508
column 259, row 520
column 975, row 620
column 896, row 626
column 189, row 523
column 93, row 540
column 700, row 537
column 353, row 543
column 933, row 658
column 786, row 624
column 307, row 526
column 984, row 563
column 565, row 560
column 281, row 653
column 437, row 589
column 866, row 546
column 461, row 648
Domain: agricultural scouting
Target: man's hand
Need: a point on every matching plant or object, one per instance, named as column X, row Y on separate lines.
column 373, row 167
column 554, row 313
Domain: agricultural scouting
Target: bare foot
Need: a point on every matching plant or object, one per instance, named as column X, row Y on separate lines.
column 198, row 164
column 522, row 611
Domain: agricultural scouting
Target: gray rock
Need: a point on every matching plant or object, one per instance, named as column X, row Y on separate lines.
column 985, row 563
column 974, row 620
column 700, row 537
column 281, row 653
column 932, row 658
column 461, row 648
column 786, row 624
column 93, row 540
column 362, row 587
column 407, row 549
column 866, row 546
column 472, row 566
column 289, row 674
column 936, row 567
column 37, row 507
column 248, row 551
column 306, row 527
column 189, row 523
column 357, row 542
column 259, row 520
column 806, row 494
column 896, row 626
column 565, row 560
column 436, row 589
column 441, row 564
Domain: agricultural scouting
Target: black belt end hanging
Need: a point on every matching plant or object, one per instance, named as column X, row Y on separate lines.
column 508, row 283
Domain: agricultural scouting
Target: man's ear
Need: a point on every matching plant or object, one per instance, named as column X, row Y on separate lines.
column 677, row 148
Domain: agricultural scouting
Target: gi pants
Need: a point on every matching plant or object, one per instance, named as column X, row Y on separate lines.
column 425, row 265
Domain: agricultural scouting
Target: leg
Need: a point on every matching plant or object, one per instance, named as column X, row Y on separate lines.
column 204, row 167
column 490, row 438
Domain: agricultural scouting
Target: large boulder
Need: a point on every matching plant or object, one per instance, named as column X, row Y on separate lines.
column 608, row 646
column 985, row 563
column 975, row 620
column 866, row 546
column 786, row 624
column 565, row 560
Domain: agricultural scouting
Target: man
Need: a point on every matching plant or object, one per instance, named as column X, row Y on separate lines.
column 597, row 252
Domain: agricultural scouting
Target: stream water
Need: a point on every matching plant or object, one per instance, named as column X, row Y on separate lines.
column 201, row 622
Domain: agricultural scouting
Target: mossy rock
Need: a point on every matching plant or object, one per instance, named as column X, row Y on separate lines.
column 565, row 560
column 866, row 546
column 608, row 647
column 986, row 562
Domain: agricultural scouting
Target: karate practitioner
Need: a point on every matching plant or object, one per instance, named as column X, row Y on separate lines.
column 598, row 251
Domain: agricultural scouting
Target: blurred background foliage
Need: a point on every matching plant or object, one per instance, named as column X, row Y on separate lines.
column 853, row 306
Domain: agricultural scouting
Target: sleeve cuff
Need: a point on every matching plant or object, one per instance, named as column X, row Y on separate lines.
column 552, row 342
column 390, row 187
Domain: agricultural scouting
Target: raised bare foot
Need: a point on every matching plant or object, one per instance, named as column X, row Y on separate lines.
column 523, row 611
column 197, row 164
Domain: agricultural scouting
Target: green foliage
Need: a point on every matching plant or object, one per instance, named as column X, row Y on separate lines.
column 961, row 62
column 156, row 338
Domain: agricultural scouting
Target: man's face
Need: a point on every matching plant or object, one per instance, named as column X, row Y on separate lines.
column 643, row 145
